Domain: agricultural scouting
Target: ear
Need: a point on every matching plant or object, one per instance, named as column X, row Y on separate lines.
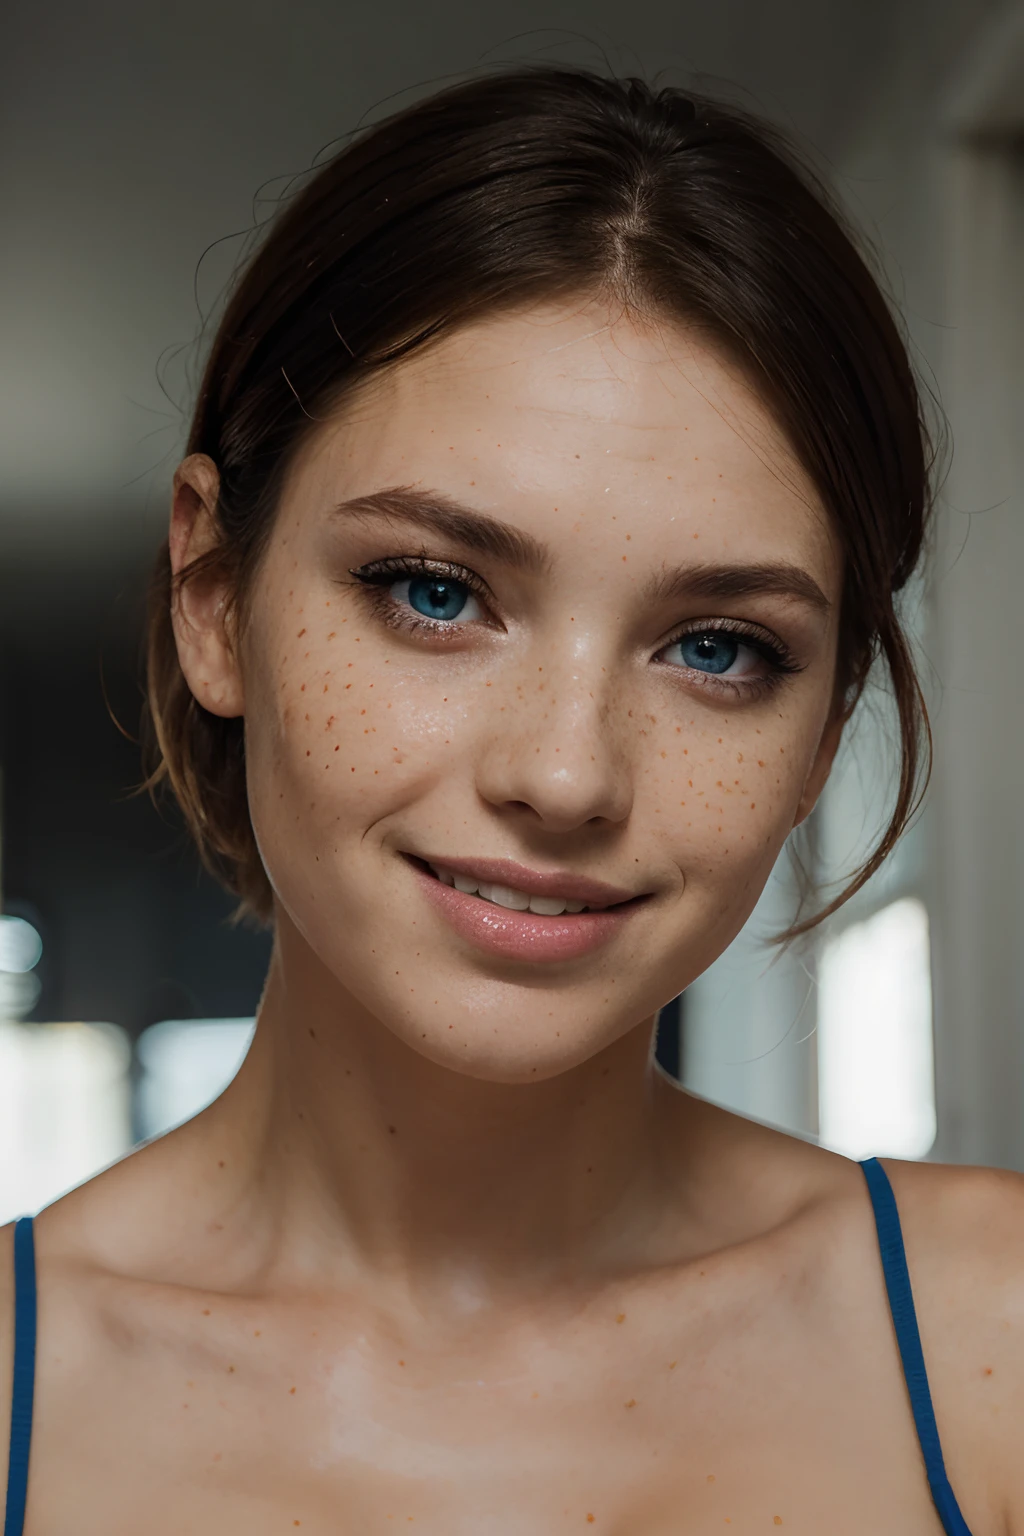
column 822, row 764
column 201, row 609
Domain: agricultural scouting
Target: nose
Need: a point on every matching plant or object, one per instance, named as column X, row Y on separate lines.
column 555, row 755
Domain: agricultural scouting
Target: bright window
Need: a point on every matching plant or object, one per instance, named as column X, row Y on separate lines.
column 185, row 1064
column 876, row 1086
column 65, row 1109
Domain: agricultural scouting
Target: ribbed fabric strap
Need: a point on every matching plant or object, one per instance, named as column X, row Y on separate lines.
column 908, row 1337
column 24, row 1375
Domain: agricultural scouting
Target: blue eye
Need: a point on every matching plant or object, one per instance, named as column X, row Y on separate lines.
column 436, row 597
column 708, row 651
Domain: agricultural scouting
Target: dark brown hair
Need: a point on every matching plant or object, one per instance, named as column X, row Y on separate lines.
column 538, row 183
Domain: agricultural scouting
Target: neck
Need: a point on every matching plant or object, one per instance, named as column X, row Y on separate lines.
column 439, row 1180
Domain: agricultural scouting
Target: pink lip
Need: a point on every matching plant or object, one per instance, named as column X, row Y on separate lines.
column 524, row 935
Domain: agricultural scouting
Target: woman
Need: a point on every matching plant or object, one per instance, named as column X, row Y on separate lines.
column 553, row 479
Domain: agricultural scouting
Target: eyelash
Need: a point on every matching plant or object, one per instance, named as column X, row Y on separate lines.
column 378, row 575
column 778, row 656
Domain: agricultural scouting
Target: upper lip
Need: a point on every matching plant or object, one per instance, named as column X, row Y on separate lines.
column 535, row 882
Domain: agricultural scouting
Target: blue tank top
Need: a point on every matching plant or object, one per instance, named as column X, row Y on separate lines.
column 897, row 1284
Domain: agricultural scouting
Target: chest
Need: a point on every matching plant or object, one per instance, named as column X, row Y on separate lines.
column 639, row 1424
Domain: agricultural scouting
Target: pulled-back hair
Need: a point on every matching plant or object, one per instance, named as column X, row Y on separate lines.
column 532, row 184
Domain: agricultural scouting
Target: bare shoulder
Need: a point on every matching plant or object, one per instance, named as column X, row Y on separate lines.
column 964, row 1229
column 964, row 1233
column 6, row 1347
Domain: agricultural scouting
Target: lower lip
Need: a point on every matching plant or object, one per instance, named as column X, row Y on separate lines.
column 524, row 935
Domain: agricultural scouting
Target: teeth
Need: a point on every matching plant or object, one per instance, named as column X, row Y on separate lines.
column 505, row 896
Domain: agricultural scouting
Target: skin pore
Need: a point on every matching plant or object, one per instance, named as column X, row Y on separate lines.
column 451, row 1252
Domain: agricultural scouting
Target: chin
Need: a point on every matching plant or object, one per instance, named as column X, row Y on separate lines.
column 502, row 1031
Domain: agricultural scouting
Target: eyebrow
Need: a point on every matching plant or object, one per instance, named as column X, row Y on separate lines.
column 767, row 578
column 442, row 514
column 438, row 513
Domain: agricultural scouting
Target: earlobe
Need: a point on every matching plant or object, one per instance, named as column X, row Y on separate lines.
column 201, row 608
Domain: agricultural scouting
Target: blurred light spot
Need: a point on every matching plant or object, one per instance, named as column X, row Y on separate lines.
column 19, row 993
column 186, row 1064
column 64, row 1109
column 20, row 945
column 876, row 1083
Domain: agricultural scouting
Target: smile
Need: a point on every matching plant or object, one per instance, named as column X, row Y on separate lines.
column 517, row 913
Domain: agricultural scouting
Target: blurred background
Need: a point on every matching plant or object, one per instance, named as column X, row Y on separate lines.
column 137, row 139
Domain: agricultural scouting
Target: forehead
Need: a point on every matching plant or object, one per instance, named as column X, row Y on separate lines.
column 570, row 416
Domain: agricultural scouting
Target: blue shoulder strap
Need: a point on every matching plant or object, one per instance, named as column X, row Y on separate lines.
column 908, row 1337
column 24, row 1374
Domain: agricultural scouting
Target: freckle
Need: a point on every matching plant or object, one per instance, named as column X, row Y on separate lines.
column 777, row 1520
column 291, row 1391
column 621, row 1317
column 672, row 1364
column 332, row 634
column 590, row 1518
column 631, row 1403
column 206, row 1311
column 401, row 1362
column 300, row 634
column 231, row 1370
column 988, row 1370
column 711, row 1477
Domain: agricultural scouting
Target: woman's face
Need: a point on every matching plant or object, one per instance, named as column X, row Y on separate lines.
column 549, row 611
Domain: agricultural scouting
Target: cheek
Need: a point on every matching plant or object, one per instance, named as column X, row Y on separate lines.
column 337, row 736
column 724, row 794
